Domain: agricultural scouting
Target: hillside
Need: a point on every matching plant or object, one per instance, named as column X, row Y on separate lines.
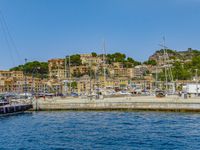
column 185, row 64
column 175, row 55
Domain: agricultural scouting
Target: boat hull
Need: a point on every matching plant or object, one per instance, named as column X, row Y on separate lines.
column 13, row 109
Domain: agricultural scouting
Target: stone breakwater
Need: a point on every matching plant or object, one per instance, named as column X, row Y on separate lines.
column 124, row 103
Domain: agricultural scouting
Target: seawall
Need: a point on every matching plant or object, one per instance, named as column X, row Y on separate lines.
column 125, row 103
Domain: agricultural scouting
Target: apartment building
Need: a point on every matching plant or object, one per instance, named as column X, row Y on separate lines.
column 89, row 59
column 56, row 68
column 15, row 74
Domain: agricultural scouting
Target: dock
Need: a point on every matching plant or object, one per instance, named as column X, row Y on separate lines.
column 123, row 103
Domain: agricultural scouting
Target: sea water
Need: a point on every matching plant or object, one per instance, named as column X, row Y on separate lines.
column 100, row 130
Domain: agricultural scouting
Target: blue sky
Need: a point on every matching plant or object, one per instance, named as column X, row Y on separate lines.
column 45, row 29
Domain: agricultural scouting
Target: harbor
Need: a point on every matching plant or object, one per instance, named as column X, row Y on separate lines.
column 99, row 75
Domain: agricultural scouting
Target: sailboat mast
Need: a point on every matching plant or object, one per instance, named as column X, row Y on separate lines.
column 165, row 63
column 104, row 61
column 167, row 68
column 156, row 77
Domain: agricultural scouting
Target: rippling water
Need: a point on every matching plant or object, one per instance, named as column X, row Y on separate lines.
column 100, row 130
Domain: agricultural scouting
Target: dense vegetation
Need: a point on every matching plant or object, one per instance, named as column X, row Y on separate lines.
column 183, row 71
column 150, row 62
column 119, row 57
column 75, row 60
column 185, row 64
column 35, row 68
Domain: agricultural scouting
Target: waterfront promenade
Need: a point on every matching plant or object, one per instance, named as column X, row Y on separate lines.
column 171, row 103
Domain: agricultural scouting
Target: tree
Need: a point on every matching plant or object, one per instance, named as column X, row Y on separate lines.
column 181, row 72
column 75, row 60
column 119, row 57
column 109, row 58
column 36, row 68
column 73, row 85
column 151, row 62
column 196, row 61
column 94, row 54
column 131, row 60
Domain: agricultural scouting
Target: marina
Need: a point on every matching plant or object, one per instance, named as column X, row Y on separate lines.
column 99, row 75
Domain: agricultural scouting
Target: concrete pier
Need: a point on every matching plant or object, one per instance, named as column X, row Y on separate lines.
column 123, row 103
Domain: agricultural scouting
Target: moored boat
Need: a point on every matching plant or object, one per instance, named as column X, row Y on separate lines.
column 9, row 108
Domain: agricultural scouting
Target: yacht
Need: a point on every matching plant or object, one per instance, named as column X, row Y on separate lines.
column 8, row 108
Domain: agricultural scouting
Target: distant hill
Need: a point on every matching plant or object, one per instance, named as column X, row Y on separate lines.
column 175, row 55
column 36, row 68
column 185, row 64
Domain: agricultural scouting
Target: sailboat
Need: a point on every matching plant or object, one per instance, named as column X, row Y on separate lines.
column 169, row 84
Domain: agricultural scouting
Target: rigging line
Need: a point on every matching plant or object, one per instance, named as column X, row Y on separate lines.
column 7, row 41
column 104, row 61
column 170, row 70
column 11, row 37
